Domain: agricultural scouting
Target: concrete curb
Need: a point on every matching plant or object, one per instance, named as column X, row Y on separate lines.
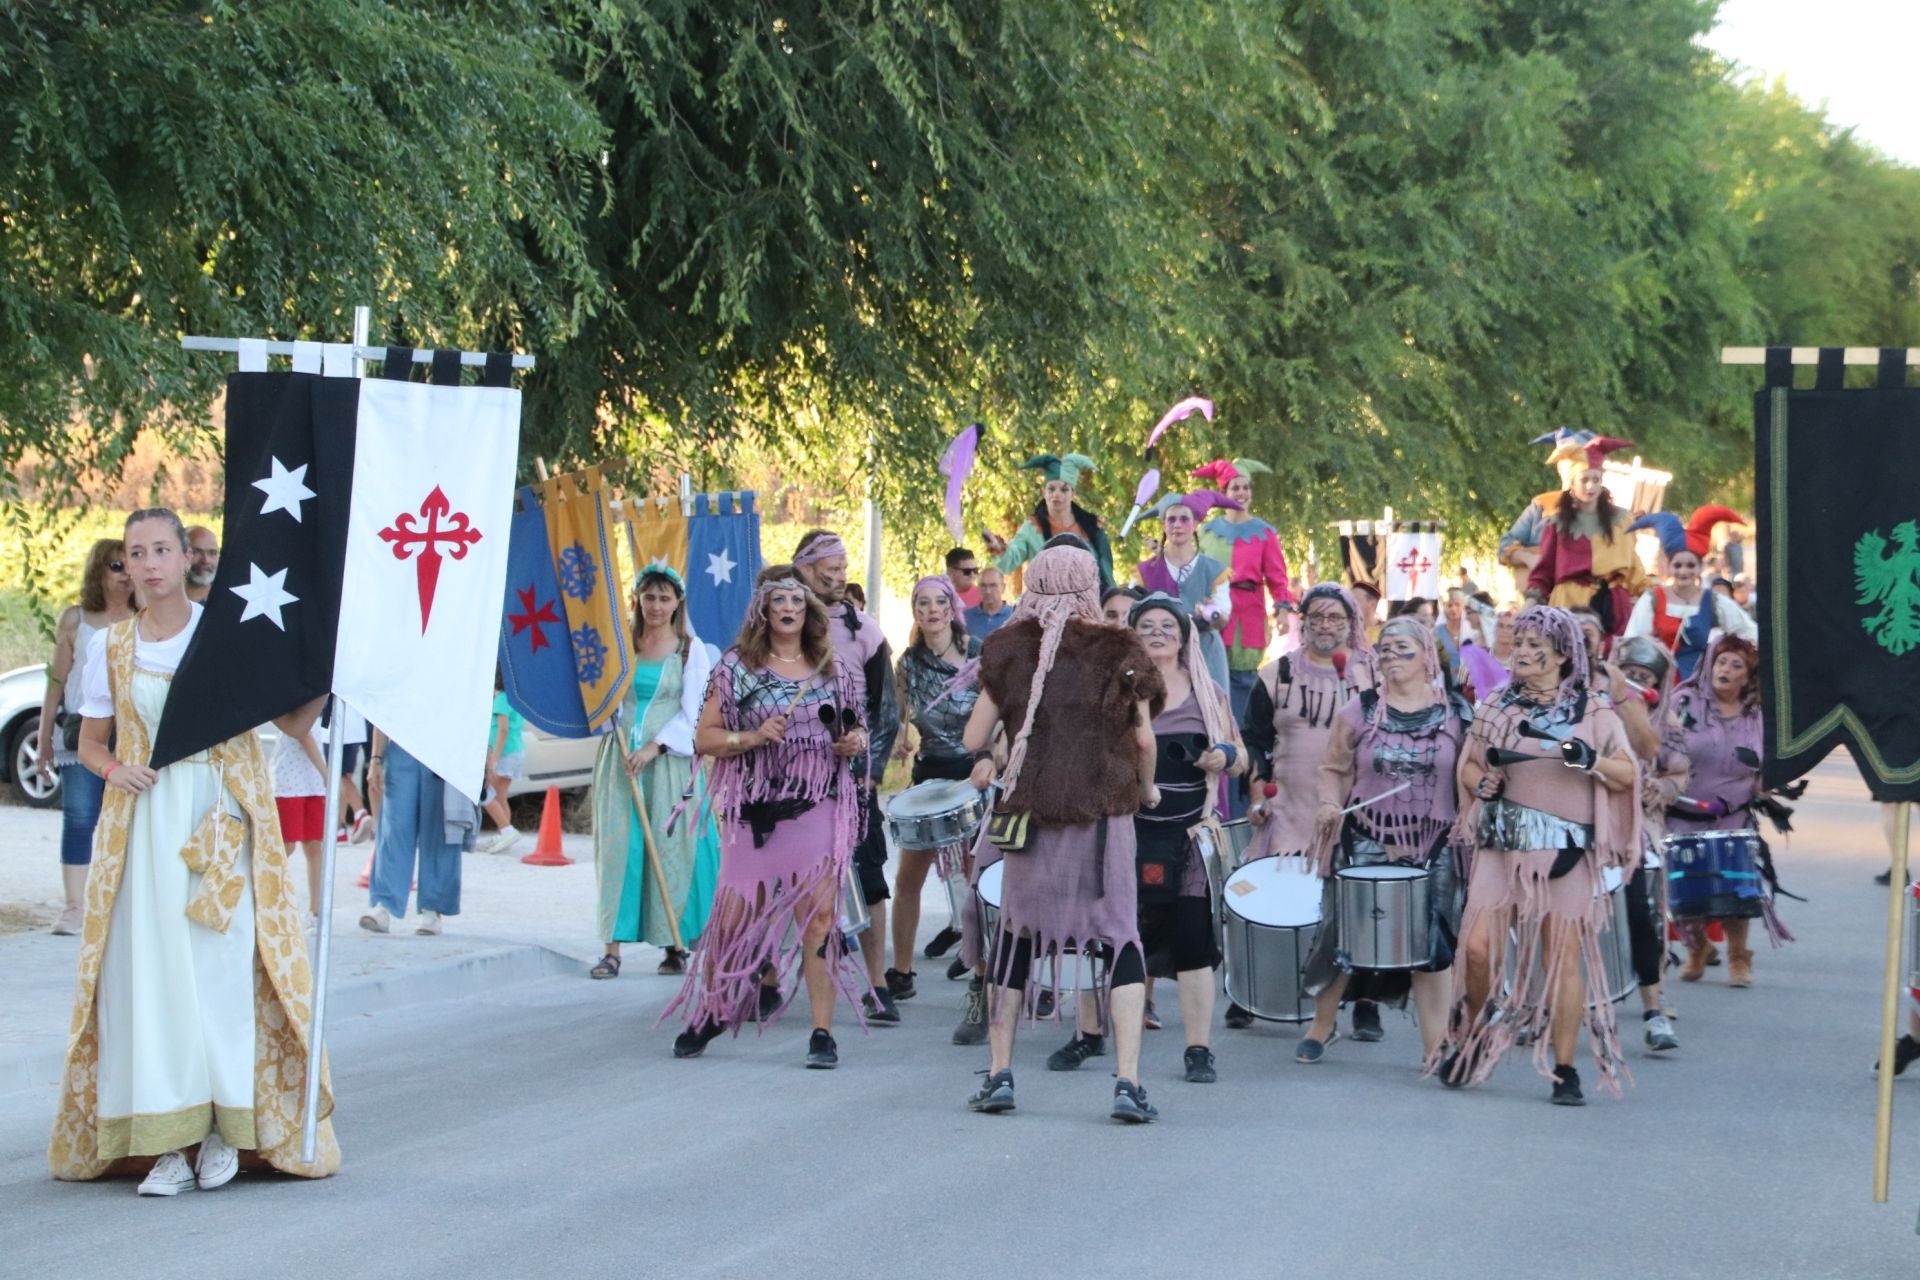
column 38, row 1065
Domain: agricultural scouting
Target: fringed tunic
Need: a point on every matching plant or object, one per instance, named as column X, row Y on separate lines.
column 1288, row 722
column 1713, row 744
column 1374, row 751
column 1544, row 808
column 789, row 819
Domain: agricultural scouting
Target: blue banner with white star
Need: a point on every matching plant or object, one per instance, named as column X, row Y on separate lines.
column 723, row 559
column 536, row 657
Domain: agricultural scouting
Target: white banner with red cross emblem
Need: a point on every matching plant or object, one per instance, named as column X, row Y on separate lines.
column 1413, row 562
column 426, row 568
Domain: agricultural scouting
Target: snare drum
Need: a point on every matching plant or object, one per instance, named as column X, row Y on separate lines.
column 1384, row 916
column 988, row 890
column 855, row 919
column 1218, row 859
column 1269, row 921
column 1913, row 941
column 1714, row 875
column 1616, row 943
column 936, row 813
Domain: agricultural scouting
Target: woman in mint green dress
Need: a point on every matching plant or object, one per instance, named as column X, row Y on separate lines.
column 654, row 744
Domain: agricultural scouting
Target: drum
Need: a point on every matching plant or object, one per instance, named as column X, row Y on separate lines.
column 936, row 813
column 1913, row 941
column 989, row 893
column 1384, row 920
column 855, row 919
column 1714, row 875
column 1269, row 920
column 1616, row 943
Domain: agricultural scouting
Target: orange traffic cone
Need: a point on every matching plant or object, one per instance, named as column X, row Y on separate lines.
column 546, row 850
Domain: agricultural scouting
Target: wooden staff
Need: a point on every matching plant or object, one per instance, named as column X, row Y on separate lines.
column 1890, row 1002
column 646, row 835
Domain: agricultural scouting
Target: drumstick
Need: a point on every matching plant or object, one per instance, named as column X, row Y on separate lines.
column 1377, row 799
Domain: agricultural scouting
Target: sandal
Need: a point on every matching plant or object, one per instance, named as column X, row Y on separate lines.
column 609, row 967
column 674, row 962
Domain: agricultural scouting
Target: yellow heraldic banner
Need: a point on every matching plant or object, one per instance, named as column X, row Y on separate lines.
column 656, row 533
column 579, row 531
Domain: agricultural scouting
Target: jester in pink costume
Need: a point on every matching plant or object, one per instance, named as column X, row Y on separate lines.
column 782, row 725
column 1256, row 569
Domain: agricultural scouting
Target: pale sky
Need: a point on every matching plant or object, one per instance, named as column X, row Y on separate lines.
column 1856, row 55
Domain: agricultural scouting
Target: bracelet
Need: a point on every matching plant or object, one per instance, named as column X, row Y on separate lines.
column 1227, row 749
column 986, row 754
column 733, row 742
column 108, row 771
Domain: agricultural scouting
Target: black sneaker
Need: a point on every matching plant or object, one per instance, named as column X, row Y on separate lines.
column 995, row 1095
column 1885, row 877
column 1200, row 1065
column 822, row 1053
column 1906, row 1051
column 973, row 1017
column 957, row 970
column 1566, row 1088
column 1043, row 1007
column 1130, row 1103
column 880, row 1008
column 899, row 985
column 943, row 942
column 1366, row 1022
column 693, row 1042
column 1070, row 1055
column 769, row 1002
column 1238, row 1018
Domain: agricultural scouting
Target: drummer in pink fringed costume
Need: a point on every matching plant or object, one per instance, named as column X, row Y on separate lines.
column 1391, row 759
column 1550, row 789
column 1718, row 709
column 1256, row 571
column 1287, row 725
column 783, row 789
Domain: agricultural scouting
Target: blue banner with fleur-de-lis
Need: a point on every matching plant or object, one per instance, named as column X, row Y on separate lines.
column 536, row 659
column 590, row 598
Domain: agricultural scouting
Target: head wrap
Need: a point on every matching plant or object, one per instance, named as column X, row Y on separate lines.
column 1055, row 466
column 1701, row 681
column 757, row 607
column 1222, row 470
column 1561, row 631
column 1062, row 584
column 825, row 547
column 660, row 569
column 1200, row 502
column 1594, row 450
column 1410, row 625
column 1216, row 715
column 1360, row 654
column 941, row 583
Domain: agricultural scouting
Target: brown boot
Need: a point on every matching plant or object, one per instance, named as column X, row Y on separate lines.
column 1739, row 967
column 1696, row 963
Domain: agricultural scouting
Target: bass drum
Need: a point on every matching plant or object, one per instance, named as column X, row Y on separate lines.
column 1269, row 922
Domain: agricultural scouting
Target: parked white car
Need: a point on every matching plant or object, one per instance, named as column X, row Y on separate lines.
column 557, row 762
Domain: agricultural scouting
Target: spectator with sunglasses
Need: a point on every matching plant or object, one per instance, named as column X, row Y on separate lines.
column 106, row 597
column 963, row 570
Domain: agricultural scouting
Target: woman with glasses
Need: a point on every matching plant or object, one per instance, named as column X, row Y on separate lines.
column 106, row 597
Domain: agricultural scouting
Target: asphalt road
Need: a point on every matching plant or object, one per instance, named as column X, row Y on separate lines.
column 546, row 1130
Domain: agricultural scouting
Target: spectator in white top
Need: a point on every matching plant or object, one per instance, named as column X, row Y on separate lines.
column 300, row 794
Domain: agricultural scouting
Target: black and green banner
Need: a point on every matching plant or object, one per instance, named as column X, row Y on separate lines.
column 1837, row 478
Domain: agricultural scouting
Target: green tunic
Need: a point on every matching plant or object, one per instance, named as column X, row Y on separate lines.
column 630, row 907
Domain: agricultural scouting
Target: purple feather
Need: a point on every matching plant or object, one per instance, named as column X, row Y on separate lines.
column 1483, row 669
column 956, row 464
column 1185, row 409
column 1149, row 485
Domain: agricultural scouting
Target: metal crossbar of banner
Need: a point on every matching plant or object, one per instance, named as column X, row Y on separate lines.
column 1897, row 892
column 248, row 348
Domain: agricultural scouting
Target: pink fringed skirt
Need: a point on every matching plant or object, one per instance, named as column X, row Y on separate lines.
column 1511, row 891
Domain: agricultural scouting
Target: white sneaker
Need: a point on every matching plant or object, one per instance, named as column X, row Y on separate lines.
column 429, row 923
column 503, row 840
column 378, row 920
column 69, row 922
column 362, row 828
column 171, row 1175
column 217, row 1164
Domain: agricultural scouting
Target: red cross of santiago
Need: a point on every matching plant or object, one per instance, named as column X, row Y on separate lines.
column 1413, row 564
column 443, row 525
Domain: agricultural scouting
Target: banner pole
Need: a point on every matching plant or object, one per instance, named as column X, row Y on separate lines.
column 646, row 836
column 323, row 934
column 1890, row 1003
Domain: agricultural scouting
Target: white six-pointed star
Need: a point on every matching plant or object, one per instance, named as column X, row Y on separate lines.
column 720, row 567
column 266, row 594
column 285, row 489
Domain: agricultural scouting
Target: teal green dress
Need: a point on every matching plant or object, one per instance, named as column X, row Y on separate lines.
column 630, row 906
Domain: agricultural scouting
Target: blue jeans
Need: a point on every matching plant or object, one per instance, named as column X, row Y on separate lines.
column 80, row 792
column 413, row 821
